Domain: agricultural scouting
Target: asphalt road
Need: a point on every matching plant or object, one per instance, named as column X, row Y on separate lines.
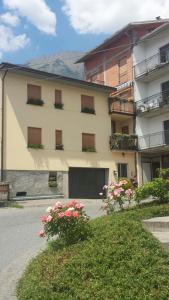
column 19, row 242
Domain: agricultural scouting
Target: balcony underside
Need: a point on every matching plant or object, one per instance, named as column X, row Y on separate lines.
column 156, row 149
column 155, row 73
column 154, row 111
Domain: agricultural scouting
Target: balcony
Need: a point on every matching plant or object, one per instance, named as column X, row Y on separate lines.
column 153, row 103
column 154, row 140
column 118, row 105
column 152, row 67
column 124, row 142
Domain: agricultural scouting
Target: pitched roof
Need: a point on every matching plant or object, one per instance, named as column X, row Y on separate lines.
column 23, row 70
column 117, row 34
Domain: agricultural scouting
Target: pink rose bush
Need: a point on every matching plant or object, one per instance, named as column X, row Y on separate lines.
column 66, row 221
column 120, row 192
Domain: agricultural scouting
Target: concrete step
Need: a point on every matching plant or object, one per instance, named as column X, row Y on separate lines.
column 163, row 237
column 54, row 196
column 160, row 224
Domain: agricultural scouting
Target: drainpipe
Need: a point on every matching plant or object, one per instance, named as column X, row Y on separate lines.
column 2, row 125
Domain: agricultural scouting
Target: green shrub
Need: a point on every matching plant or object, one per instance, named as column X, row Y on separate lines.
column 38, row 102
column 35, row 146
column 88, row 110
column 157, row 188
column 53, row 184
column 58, row 105
column 121, row 261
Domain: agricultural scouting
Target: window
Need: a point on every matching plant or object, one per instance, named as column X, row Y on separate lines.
column 123, row 70
column 88, row 142
column 165, row 91
column 125, row 130
column 58, row 140
column 52, row 182
column 34, row 95
column 34, row 137
column 87, row 104
column 58, row 99
column 164, row 54
column 122, row 170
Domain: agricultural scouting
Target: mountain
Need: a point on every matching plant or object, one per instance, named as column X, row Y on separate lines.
column 62, row 63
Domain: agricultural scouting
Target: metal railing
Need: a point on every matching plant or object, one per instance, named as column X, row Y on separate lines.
column 122, row 106
column 123, row 142
column 153, row 140
column 152, row 102
column 150, row 64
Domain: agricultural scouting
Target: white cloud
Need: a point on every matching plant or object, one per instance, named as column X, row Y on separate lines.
column 9, row 19
column 36, row 11
column 97, row 16
column 9, row 41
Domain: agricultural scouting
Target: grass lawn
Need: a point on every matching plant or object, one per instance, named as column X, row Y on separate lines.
column 120, row 262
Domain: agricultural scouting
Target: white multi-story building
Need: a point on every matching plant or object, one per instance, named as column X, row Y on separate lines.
column 151, row 73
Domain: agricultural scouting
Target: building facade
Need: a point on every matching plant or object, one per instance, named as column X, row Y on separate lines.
column 56, row 135
column 151, row 72
column 111, row 63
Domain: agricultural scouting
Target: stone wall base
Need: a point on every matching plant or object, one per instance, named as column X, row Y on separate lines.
column 35, row 183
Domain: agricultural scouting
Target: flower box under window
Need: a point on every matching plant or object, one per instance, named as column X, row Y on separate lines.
column 88, row 110
column 88, row 149
column 53, row 184
column 38, row 102
column 58, row 105
column 36, row 146
column 59, row 147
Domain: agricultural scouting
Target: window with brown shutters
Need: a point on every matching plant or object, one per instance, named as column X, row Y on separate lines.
column 58, row 140
column 34, row 137
column 58, row 99
column 88, row 142
column 87, row 104
column 34, row 95
column 123, row 70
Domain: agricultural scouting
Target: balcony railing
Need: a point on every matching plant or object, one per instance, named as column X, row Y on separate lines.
column 122, row 106
column 123, row 142
column 152, row 102
column 154, row 140
column 151, row 63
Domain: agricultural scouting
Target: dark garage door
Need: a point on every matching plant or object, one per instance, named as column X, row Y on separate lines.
column 86, row 182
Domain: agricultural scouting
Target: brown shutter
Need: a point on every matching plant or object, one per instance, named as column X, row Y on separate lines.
column 58, row 96
column 87, row 101
column 34, row 136
column 58, row 135
column 34, row 91
column 88, row 140
column 123, row 76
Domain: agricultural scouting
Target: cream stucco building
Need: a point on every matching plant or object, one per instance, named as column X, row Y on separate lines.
column 55, row 135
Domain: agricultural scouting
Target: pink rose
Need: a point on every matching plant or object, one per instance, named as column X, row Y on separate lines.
column 49, row 219
column 41, row 233
column 71, row 209
column 68, row 213
column 58, row 205
column 43, row 219
column 61, row 215
column 49, row 209
column 76, row 214
column 72, row 203
column 79, row 206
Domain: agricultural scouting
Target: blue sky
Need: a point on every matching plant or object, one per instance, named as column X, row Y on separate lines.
column 33, row 28
column 66, row 38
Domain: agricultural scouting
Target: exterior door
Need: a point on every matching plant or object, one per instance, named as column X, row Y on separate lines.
column 146, row 169
column 86, row 183
column 166, row 132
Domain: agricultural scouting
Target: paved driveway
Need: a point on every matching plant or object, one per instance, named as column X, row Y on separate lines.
column 19, row 241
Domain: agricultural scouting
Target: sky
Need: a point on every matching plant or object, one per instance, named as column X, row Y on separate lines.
column 34, row 28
